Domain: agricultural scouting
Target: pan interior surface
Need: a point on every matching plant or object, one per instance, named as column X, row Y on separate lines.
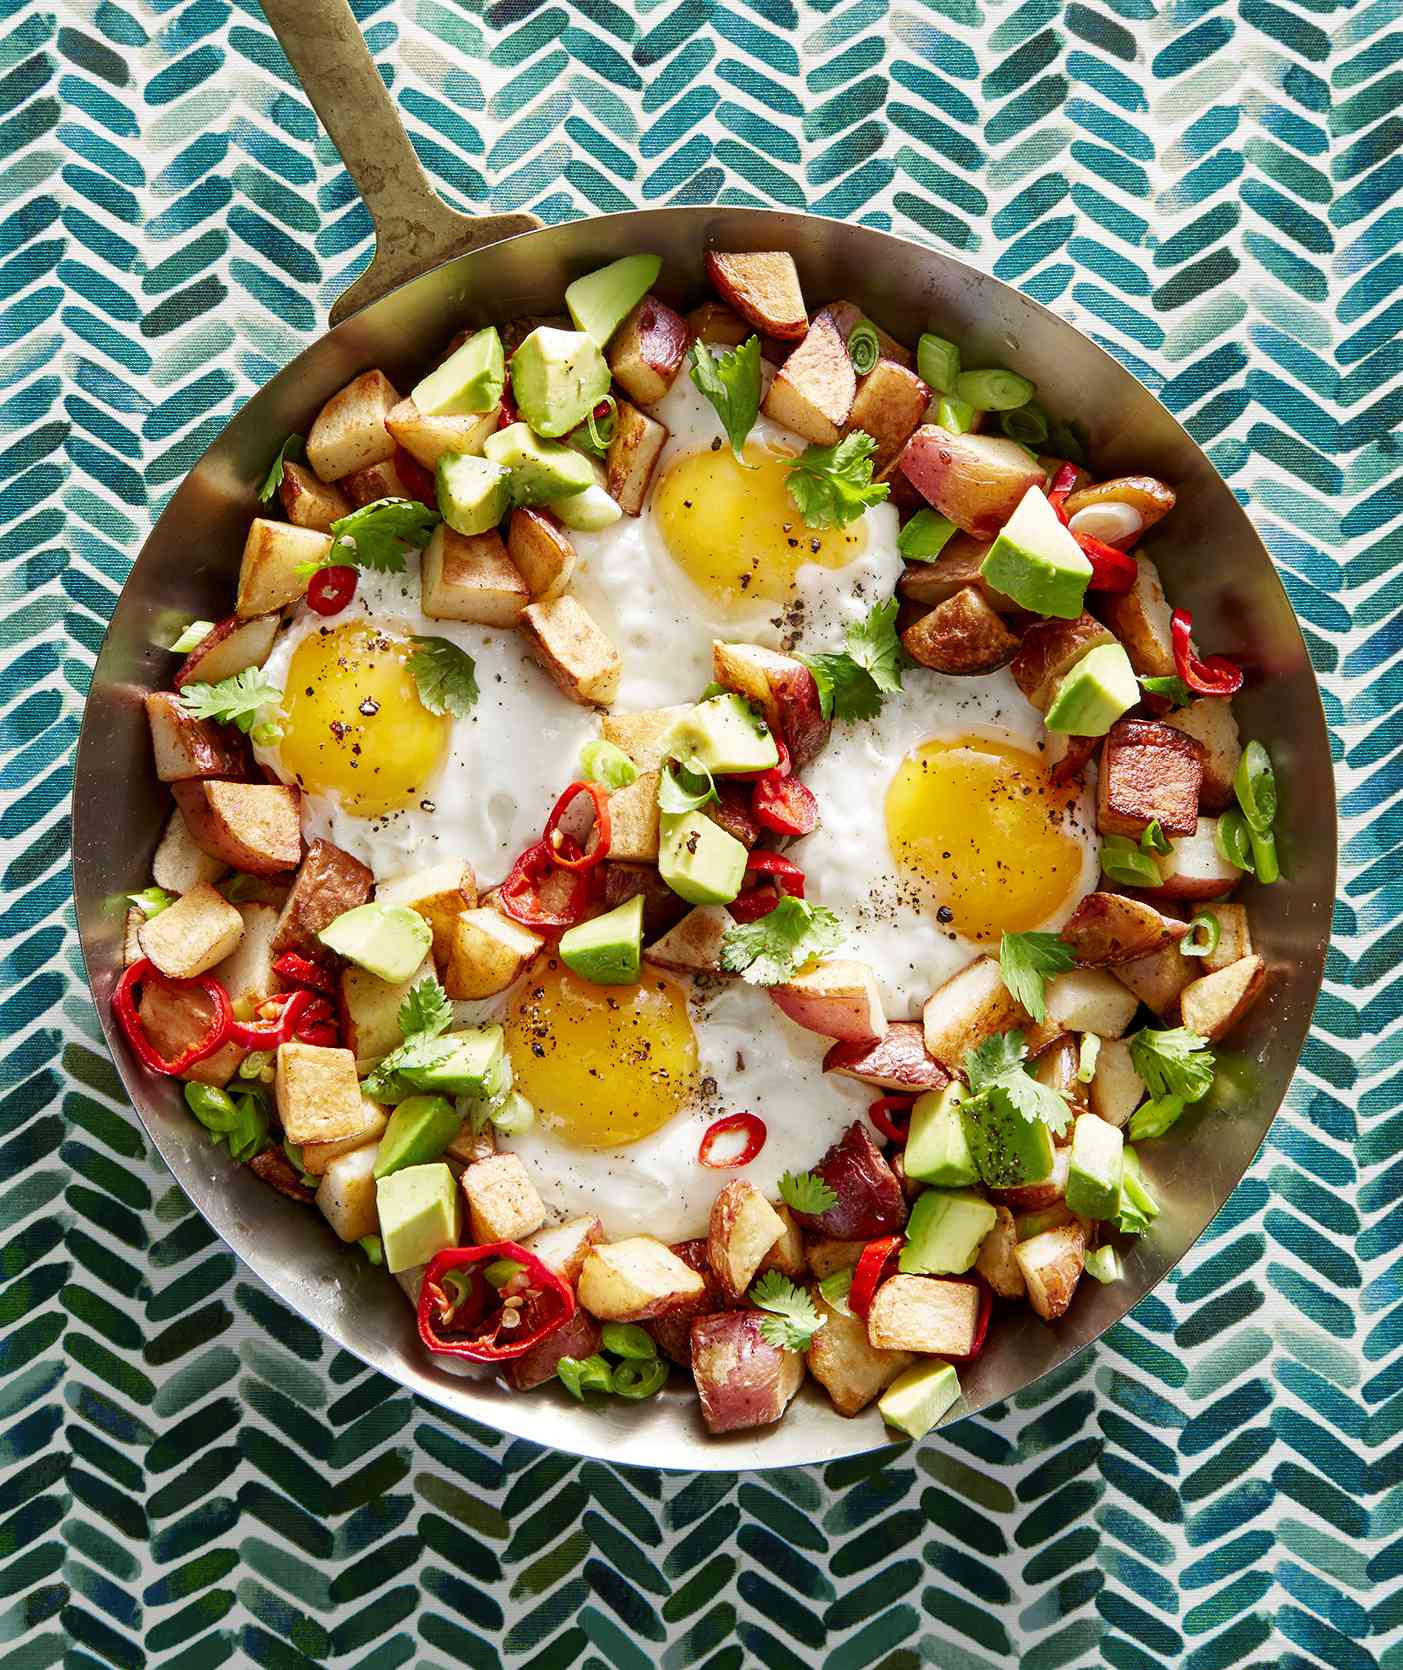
column 1213, row 562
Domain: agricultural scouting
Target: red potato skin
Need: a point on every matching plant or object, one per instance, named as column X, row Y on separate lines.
column 579, row 1337
column 673, row 1332
column 187, row 749
column 228, row 648
column 756, row 1388
column 763, row 288
column 929, row 462
column 870, row 1197
column 896, row 1062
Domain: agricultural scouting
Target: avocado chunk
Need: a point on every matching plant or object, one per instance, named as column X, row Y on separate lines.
column 390, row 941
column 538, row 472
column 419, row 1214
column 471, row 379
column 473, row 492
column 587, row 512
column 420, row 1128
column 1036, row 562
column 600, row 301
column 698, row 860
column 1007, row 1149
column 558, row 378
column 472, row 1064
column 937, row 1150
column 1094, row 1170
column 1094, row 693
column 944, row 1231
column 916, row 1400
column 723, row 735
column 607, row 949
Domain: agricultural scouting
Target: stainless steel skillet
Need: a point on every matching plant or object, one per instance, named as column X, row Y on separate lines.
column 436, row 272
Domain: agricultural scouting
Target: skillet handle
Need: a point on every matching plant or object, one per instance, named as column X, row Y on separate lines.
column 414, row 228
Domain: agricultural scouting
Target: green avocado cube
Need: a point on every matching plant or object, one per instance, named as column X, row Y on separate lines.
column 1008, row 1150
column 916, row 1400
column 601, row 301
column 420, row 1128
column 538, row 472
column 698, row 860
column 471, row 379
column 1036, row 562
column 1094, row 693
column 471, row 1064
column 1094, row 1170
column 723, row 735
column 420, row 1214
column 607, row 949
column 944, row 1231
column 390, row 941
column 558, row 378
column 473, row 492
column 937, row 1150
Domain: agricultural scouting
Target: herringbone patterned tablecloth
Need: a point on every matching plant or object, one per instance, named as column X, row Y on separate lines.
column 191, row 1476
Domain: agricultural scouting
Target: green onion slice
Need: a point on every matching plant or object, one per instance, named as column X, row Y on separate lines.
column 864, row 347
column 1124, row 863
column 1205, row 931
column 1230, row 838
column 1255, row 784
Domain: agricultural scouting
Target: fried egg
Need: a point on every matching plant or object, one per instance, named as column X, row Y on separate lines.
column 626, row 1081
column 941, row 830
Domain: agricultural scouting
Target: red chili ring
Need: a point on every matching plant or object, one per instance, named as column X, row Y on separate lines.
column 331, row 589
column 785, row 873
column 564, row 849
column 1209, row 675
column 1111, row 570
column 1062, row 484
column 750, row 1123
column 124, row 1007
column 783, row 805
column 867, row 1276
column 879, row 1111
column 520, row 894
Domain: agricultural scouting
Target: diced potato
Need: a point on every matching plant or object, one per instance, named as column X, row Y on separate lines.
column 925, row 1314
column 1140, row 619
column 975, row 480
column 578, row 1338
column 180, row 863
column 837, row 998
column 346, row 1193
column 744, row 1227
column 846, row 1364
column 199, row 930
column 889, row 405
column 1193, row 868
column 957, row 566
column 1157, row 979
column 349, row 433
column 1048, row 652
column 370, row 1011
column 763, row 288
column 673, row 1332
column 868, row 1197
column 960, row 636
column 812, row 393
column 470, row 1146
column 1110, row 928
column 271, row 573
column 662, row 909
column 1214, row 1004
column 783, row 687
column 1116, row 1088
column 503, row 1204
column 318, row 1093
column 1046, row 1192
column 645, row 736
column 228, row 648
column 787, row 1254
column 1149, row 773
column 328, row 883
column 568, row 643
column 247, row 972
column 566, row 1246
column 636, row 1279
column 897, row 352
column 634, row 824
column 646, row 352
column 470, row 577
column 997, row 1261
column 634, row 450
column 1234, row 938
column 970, row 1007
column 1052, row 1264
column 1056, row 1067
column 742, row 1380
column 175, row 1019
column 694, row 945
column 898, row 1061
column 1211, row 722
column 308, row 502
column 486, row 952
column 426, row 439
column 439, row 892
column 186, row 749
column 131, row 935
column 255, row 827
column 717, row 326
column 317, row 1157
column 542, row 552
column 377, row 481
column 824, row 1256
column 274, row 1168
column 1087, row 1000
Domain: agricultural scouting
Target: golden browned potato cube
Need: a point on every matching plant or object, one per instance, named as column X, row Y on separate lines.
column 568, row 643
column 812, row 392
column 271, row 572
column 318, row 1093
column 787, row 1254
column 644, row 737
column 440, row 893
column 228, row 648
column 1140, row 619
column 199, row 930
column 328, row 883
column 318, row 1156
column 254, row 827
column 970, row 1007
column 370, row 1011
column 634, row 821
column 1214, row 1004
column 636, row 1279
column 308, row 502
column 184, row 748
column 470, row 1147
column 1049, row 650
column 824, row 1255
column 1110, row 928
column 349, row 433
column 960, row 636
column 247, row 973
column 845, row 1362
column 470, row 577
column 1052, row 1264
column 1210, row 721
column 763, row 287
column 1116, row 1088
column 889, row 405
column 957, row 566
column 783, row 687
column 1234, row 937
column 718, row 326
column 426, row 439
column 1084, row 1000
column 179, row 862
column 925, row 1314
column 694, row 945
column 566, row 1246
column 1149, row 773
column 742, row 1380
column 346, row 1193
column 1157, row 979
column 646, row 352
column 743, row 1229
column 486, row 952
column 997, row 1261
column 634, row 450
column 542, row 552
column 377, row 481
column 502, row 1201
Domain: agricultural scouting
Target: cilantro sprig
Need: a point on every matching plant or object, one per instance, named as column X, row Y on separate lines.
column 793, row 1318
column 235, row 700
column 376, row 536
column 1026, row 962
column 424, row 1015
column 998, row 1076
column 852, row 682
column 768, row 951
column 832, row 485
column 805, row 1191
column 294, row 448
column 1173, row 1063
column 446, row 676
column 730, row 380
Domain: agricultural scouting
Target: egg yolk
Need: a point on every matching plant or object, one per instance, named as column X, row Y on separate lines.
column 982, row 832
column 603, row 1065
column 354, row 725
column 736, row 533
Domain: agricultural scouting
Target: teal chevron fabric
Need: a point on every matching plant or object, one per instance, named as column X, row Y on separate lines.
column 1214, row 189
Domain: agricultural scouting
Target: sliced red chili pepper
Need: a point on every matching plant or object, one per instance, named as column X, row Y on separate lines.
column 418, row 482
column 755, row 1134
column 754, row 903
column 783, row 805
column 1111, row 570
column 1062, row 484
column 487, row 1324
column 759, row 901
column 867, row 1277
column 880, row 1113
column 331, row 589
column 981, row 1320
column 1208, row 675
column 144, row 972
column 508, row 414
column 292, row 1008
column 564, row 846
column 520, row 895
column 298, row 970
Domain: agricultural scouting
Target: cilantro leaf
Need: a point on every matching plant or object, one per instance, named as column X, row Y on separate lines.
column 852, row 682
column 425, row 1009
column 375, row 536
column 806, row 1192
column 293, row 447
column 730, row 380
column 1175, row 1062
column 793, row 1320
column 1026, row 961
column 998, row 1076
column 684, row 788
column 832, row 485
column 1032, row 1100
column 446, row 676
column 233, row 701
column 874, row 645
column 766, row 952
column 994, row 1059
column 1173, row 689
